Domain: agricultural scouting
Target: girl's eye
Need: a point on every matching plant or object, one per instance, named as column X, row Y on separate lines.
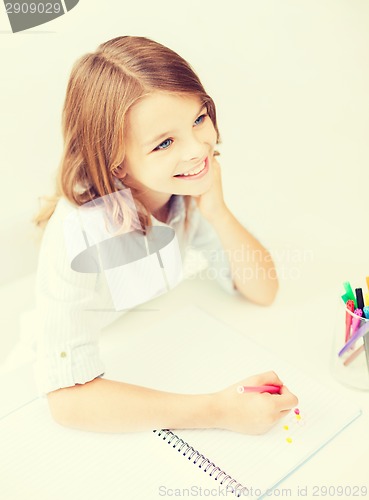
column 200, row 119
column 168, row 142
column 164, row 145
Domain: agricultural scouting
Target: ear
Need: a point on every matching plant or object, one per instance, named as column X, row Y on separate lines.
column 119, row 171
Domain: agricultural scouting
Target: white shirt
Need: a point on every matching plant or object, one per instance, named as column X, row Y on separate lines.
column 73, row 307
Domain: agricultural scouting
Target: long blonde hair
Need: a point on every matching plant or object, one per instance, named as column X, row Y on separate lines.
column 102, row 87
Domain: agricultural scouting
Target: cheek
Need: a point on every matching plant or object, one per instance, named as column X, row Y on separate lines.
column 210, row 134
column 138, row 168
column 129, row 164
column 153, row 172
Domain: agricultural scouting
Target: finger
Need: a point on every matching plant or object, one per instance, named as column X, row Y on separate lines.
column 283, row 413
column 287, row 399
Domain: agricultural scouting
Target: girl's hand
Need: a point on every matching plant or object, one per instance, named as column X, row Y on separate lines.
column 211, row 203
column 253, row 413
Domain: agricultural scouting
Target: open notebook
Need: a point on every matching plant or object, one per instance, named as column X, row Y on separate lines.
column 189, row 352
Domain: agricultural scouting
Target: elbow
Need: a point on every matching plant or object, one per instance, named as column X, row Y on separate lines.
column 60, row 407
column 75, row 406
column 269, row 288
column 271, row 294
column 266, row 299
column 264, row 295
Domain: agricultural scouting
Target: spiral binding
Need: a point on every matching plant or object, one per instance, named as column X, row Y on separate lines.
column 205, row 464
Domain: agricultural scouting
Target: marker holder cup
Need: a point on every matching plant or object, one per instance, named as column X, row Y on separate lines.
column 352, row 372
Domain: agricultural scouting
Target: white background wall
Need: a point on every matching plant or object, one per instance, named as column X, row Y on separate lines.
column 290, row 79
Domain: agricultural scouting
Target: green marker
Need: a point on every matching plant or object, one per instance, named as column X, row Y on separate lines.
column 345, row 298
column 349, row 293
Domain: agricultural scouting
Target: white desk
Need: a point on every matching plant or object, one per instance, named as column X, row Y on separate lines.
column 294, row 330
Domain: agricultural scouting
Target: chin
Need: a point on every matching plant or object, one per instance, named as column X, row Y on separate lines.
column 198, row 192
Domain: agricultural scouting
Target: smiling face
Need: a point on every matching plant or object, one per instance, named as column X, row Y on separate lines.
column 169, row 143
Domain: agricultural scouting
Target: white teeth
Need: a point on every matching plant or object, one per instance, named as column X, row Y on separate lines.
column 195, row 171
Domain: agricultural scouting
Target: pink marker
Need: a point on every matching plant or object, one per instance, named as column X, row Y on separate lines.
column 356, row 320
column 350, row 306
column 272, row 389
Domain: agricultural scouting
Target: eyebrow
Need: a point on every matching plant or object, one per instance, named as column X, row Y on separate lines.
column 165, row 134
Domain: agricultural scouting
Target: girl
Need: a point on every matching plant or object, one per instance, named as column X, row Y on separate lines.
column 136, row 116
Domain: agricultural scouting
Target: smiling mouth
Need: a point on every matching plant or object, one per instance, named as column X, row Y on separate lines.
column 194, row 172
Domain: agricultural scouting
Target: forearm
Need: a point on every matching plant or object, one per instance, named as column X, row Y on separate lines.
column 252, row 267
column 109, row 406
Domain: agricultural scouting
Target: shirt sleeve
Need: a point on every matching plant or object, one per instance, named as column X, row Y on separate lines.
column 205, row 240
column 72, row 308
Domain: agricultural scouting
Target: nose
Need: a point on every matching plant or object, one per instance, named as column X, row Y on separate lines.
column 194, row 150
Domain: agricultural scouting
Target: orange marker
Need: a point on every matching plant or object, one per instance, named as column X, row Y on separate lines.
column 354, row 355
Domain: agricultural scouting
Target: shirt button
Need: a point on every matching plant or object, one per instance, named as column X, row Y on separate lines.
column 63, row 354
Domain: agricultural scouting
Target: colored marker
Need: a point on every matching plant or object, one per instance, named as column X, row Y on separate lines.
column 350, row 307
column 272, row 389
column 366, row 299
column 359, row 298
column 345, row 298
column 349, row 292
column 360, row 332
column 356, row 320
column 367, row 282
column 366, row 311
column 354, row 355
